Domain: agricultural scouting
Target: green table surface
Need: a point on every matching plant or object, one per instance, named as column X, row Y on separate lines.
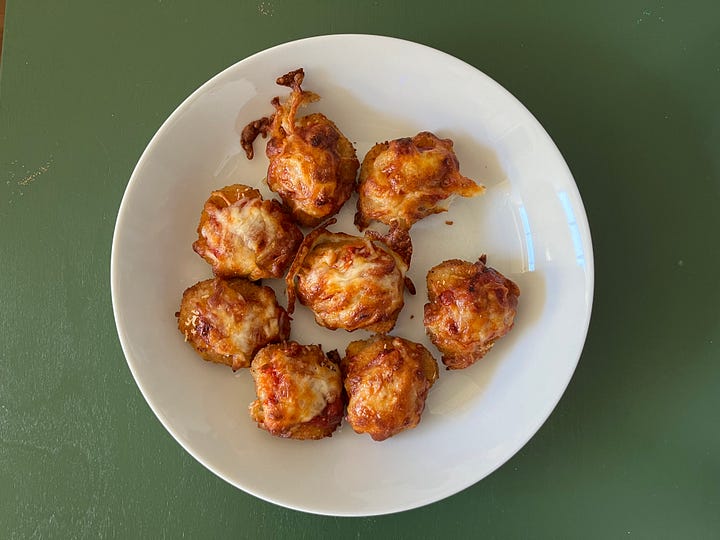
column 629, row 91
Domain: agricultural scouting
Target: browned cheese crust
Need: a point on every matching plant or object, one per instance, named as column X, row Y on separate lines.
column 228, row 321
column 408, row 179
column 470, row 307
column 347, row 281
column 387, row 380
column 312, row 164
column 299, row 391
column 242, row 235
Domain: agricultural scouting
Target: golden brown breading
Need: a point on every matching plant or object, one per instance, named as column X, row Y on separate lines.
column 387, row 380
column 407, row 179
column 349, row 282
column 312, row 164
column 228, row 321
column 471, row 307
column 241, row 235
column 299, row 391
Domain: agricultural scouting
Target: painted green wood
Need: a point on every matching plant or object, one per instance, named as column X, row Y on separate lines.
column 630, row 92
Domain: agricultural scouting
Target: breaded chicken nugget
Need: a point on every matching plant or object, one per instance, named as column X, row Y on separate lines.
column 470, row 307
column 350, row 282
column 312, row 164
column 228, row 321
column 387, row 380
column 299, row 391
column 242, row 235
column 408, row 179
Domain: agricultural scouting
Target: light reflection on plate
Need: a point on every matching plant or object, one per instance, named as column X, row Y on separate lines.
column 530, row 223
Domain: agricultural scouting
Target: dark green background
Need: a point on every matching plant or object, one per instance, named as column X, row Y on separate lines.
column 630, row 92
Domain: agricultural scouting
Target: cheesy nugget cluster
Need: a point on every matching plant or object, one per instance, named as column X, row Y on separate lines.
column 299, row 391
column 347, row 281
column 242, row 235
column 408, row 179
column 387, row 380
column 312, row 164
column 228, row 321
column 470, row 307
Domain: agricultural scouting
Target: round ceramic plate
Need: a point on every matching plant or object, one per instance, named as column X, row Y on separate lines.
column 530, row 222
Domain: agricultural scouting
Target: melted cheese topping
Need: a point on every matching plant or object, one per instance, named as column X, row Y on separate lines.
column 228, row 320
column 235, row 235
column 351, row 283
column 314, row 392
column 241, row 235
column 387, row 381
column 237, row 231
column 407, row 179
column 470, row 307
column 294, row 384
column 259, row 319
column 312, row 166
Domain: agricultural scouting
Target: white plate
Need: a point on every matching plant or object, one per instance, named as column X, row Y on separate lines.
column 531, row 223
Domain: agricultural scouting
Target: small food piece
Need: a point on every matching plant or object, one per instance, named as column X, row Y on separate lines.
column 241, row 235
column 387, row 380
column 299, row 391
column 471, row 307
column 408, row 179
column 312, row 164
column 228, row 321
column 350, row 282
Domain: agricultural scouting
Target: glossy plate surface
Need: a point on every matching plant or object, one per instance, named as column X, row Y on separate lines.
column 531, row 224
